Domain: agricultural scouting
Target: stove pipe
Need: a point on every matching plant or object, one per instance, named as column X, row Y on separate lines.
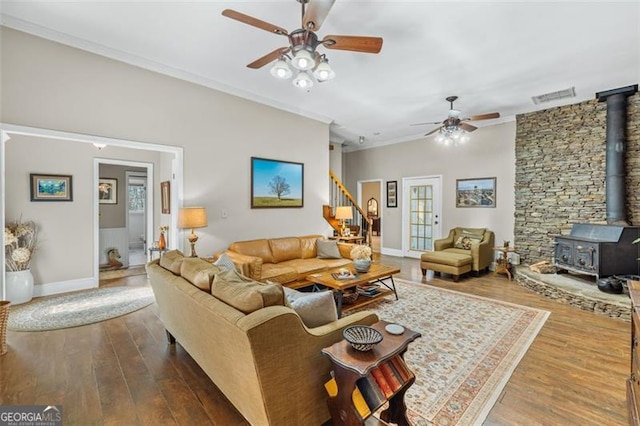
column 615, row 191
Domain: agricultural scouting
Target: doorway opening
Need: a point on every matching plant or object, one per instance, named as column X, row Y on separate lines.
column 370, row 197
column 136, row 193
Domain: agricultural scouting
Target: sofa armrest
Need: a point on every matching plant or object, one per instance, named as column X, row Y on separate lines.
column 444, row 243
column 345, row 249
column 249, row 266
column 483, row 253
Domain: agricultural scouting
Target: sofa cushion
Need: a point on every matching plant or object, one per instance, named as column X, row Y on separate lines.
column 327, row 249
column 257, row 248
column 336, row 263
column 315, row 309
column 308, row 246
column 245, row 294
column 172, row 261
column 199, row 272
column 285, row 248
column 304, row 267
column 278, row 273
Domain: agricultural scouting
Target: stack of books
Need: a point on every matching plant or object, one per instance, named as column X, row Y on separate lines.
column 368, row 290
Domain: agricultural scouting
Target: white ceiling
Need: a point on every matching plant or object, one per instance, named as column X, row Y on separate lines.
column 494, row 55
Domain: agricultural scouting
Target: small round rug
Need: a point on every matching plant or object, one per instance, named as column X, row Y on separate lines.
column 81, row 308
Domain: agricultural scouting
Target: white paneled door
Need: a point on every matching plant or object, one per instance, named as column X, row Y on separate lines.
column 420, row 214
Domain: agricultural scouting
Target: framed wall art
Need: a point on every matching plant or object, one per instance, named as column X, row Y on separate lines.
column 108, row 191
column 392, row 193
column 165, row 197
column 51, row 187
column 480, row 192
column 276, row 183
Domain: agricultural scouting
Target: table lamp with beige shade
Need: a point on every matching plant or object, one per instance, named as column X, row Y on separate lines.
column 342, row 214
column 191, row 218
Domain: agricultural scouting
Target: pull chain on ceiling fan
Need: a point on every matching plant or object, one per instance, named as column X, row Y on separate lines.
column 453, row 129
column 301, row 54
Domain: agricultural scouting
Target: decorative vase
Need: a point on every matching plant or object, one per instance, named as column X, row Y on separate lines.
column 19, row 286
column 162, row 243
column 362, row 265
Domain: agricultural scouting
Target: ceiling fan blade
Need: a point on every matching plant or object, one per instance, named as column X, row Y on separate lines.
column 249, row 20
column 467, row 127
column 433, row 131
column 353, row 43
column 317, row 11
column 422, row 124
column 269, row 57
column 484, row 116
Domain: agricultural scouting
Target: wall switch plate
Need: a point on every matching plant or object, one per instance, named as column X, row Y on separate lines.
column 224, row 214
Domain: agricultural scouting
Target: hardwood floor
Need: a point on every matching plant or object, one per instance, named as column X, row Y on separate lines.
column 122, row 372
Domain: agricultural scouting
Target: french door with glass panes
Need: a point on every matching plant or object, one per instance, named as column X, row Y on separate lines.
column 421, row 214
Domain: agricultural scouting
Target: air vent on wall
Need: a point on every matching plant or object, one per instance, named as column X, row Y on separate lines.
column 553, row 96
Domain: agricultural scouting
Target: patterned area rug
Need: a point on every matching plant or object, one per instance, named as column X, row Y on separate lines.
column 469, row 348
column 84, row 307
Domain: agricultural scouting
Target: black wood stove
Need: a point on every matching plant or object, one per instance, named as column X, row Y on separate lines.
column 606, row 250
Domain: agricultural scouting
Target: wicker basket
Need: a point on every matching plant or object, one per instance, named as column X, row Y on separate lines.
column 4, row 319
column 362, row 337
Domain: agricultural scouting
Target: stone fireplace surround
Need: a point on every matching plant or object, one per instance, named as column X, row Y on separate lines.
column 560, row 180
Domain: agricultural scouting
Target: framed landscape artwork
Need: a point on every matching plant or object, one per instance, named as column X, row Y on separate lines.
column 108, row 191
column 276, row 183
column 392, row 193
column 480, row 192
column 51, row 187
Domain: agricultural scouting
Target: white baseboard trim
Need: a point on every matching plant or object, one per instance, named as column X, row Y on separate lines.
column 391, row 252
column 48, row 289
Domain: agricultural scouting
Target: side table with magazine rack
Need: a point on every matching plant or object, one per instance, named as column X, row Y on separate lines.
column 379, row 277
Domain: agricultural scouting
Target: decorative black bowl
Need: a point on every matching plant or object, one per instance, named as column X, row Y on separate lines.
column 362, row 337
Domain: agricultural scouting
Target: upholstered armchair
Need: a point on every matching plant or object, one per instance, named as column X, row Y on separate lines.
column 477, row 242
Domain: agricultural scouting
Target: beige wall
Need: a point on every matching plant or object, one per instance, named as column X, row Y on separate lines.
column 490, row 152
column 65, row 243
column 49, row 85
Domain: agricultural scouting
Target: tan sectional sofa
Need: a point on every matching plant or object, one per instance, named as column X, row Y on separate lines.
column 287, row 261
column 266, row 362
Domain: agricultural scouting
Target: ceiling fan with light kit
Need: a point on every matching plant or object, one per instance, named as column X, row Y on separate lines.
column 454, row 129
column 302, row 52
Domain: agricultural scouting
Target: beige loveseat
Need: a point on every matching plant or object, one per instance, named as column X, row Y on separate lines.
column 288, row 260
column 479, row 246
column 266, row 362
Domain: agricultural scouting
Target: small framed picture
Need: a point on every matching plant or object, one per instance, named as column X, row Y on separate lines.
column 51, row 187
column 392, row 193
column 108, row 191
column 480, row 192
column 165, row 196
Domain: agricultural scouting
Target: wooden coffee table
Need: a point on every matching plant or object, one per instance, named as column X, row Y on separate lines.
column 378, row 274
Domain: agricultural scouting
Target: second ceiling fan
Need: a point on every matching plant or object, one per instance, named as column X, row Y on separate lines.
column 303, row 44
column 453, row 123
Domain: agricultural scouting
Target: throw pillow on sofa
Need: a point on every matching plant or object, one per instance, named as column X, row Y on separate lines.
column 199, row 272
column 172, row 261
column 327, row 249
column 315, row 309
column 244, row 294
column 225, row 263
column 463, row 243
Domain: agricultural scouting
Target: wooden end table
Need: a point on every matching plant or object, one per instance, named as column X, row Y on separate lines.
column 350, row 365
column 378, row 273
column 502, row 265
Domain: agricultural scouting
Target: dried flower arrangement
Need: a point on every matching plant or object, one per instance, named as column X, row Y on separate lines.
column 361, row 252
column 19, row 244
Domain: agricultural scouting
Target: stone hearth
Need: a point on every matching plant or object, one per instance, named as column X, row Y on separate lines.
column 576, row 290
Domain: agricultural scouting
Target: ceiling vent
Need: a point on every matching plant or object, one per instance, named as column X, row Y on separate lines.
column 554, row 96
